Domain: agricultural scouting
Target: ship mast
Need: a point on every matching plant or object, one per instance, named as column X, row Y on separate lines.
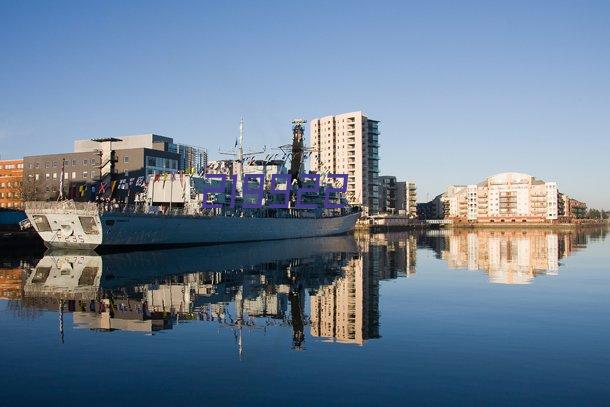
column 239, row 155
column 298, row 135
column 296, row 152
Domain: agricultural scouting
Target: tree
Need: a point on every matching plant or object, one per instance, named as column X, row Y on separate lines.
column 597, row 214
column 31, row 190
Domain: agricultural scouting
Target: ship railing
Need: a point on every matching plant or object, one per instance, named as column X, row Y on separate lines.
column 215, row 212
column 60, row 205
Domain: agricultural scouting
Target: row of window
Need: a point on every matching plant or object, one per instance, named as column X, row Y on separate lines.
column 11, row 166
column 67, row 163
column 165, row 163
column 9, row 184
column 9, row 195
column 48, row 176
column 11, row 204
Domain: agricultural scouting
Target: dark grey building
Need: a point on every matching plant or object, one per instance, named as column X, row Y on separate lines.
column 83, row 171
column 387, row 193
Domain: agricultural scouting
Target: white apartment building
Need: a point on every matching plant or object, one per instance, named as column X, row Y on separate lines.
column 349, row 144
column 506, row 197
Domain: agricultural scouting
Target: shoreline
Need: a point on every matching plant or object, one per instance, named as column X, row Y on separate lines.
column 483, row 226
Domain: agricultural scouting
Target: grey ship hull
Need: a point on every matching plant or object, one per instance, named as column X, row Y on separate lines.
column 82, row 226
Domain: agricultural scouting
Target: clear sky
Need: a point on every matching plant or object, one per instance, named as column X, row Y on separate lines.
column 463, row 89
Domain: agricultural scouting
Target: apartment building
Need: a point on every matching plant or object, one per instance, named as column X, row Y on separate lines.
column 506, row 197
column 349, row 144
column 436, row 209
column 388, row 199
column 406, row 198
column 11, row 182
column 399, row 197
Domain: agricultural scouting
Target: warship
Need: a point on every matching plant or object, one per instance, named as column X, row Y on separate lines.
column 178, row 209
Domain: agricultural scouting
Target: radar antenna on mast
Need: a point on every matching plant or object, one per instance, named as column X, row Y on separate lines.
column 238, row 151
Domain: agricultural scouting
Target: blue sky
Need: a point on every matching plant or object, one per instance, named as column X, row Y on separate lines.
column 463, row 89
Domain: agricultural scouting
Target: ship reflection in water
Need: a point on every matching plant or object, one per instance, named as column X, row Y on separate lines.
column 327, row 288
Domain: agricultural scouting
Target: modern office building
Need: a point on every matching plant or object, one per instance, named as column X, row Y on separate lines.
column 134, row 156
column 507, row 197
column 43, row 173
column 349, row 144
column 11, row 183
column 191, row 158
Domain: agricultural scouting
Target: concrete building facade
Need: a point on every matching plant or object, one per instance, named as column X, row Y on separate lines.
column 11, row 183
column 507, row 197
column 349, row 144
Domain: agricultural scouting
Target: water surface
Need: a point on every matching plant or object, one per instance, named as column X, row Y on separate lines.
column 491, row 316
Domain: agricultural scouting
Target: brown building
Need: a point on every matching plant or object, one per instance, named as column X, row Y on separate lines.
column 11, row 179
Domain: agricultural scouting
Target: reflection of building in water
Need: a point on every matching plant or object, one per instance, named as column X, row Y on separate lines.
column 508, row 257
column 348, row 309
column 11, row 280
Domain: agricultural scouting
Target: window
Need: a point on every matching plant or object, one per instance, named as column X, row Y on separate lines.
column 54, row 164
column 73, row 162
column 47, row 176
column 126, row 159
column 85, row 162
column 85, row 174
column 73, row 175
column 37, row 177
column 54, row 175
column 47, row 165
column 66, row 175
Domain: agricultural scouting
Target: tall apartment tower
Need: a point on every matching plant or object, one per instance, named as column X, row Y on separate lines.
column 349, row 144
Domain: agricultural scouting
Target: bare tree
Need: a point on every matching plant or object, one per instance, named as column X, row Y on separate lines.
column 31, row 190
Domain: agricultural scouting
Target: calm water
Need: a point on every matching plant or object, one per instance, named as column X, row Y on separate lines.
column 444, row 317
